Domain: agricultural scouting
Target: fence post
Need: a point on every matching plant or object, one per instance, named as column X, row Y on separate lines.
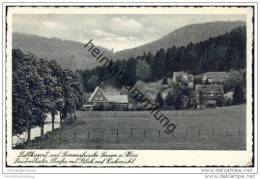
column 117, row 133
column 239, row 131
column 74, row 128
column 88, row 135
column 199, row 132
column 131, row 132
column 144, row 134
column 186, row 132
column 60, row 135
column 226, row 132
column 159, row 133
column 213, row 132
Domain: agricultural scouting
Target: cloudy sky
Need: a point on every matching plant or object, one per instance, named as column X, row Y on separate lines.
column 110, row 31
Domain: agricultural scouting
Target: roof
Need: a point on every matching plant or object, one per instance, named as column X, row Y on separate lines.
column 217, row 75
column 189, row 75
column 87, row 105
column 209, row 88
column 110, row 96
column 93, row 94
column 110, row 93
column 229, row 94
column 117, row 98
column 181, row 73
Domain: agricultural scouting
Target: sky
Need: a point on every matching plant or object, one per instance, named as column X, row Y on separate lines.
column 117, row 32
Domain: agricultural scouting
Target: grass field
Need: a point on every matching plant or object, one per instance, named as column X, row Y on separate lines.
column 209, row 129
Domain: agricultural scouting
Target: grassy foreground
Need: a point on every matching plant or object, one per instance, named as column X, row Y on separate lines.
column 209, row 129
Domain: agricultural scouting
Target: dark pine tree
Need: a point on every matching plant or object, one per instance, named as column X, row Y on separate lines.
column 238, row 95
column 159, row 99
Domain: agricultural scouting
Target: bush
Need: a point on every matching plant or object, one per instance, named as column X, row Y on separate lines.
column 178, row 103
column 98, row 107
column 227, row 102
column 220, row 101
column 170, row 98
column 164, row 81
column 185, row 101
column 159, row 99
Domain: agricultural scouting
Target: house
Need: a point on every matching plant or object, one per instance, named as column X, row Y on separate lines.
column 215, row 77
column 209, row 95
column 179, row 77
column 107, row 99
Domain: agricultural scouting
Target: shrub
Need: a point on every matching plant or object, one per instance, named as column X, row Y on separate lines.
column 159, row 99
column 170, row 98
column 220, row 101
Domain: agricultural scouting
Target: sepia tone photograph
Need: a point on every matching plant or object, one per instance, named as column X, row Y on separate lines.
column 130, row 81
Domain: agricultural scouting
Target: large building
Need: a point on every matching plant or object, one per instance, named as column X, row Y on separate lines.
column 208, row 95
column 106, row 98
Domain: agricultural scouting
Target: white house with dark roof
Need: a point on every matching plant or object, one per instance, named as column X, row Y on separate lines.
column 106, row 98
column 215, row 77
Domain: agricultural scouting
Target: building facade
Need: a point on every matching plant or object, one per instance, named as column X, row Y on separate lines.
column 209, row 95
column 107, row 99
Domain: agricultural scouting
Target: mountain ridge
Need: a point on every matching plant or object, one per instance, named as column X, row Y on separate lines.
column 193, row 33
column 71, row 54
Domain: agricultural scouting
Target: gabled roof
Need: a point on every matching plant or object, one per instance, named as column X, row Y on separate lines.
column 97, row 89
column 117, row 98
column 109, row 96
column 217, row 75
column 209, row 88
column 111, row 93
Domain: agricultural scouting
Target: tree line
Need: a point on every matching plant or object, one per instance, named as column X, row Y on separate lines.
column 221, row 53
column 41, row 87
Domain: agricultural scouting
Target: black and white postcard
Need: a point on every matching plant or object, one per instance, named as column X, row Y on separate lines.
column 129, row 86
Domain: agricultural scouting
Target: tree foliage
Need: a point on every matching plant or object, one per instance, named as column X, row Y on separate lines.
column 41, row 87
column 238, row 95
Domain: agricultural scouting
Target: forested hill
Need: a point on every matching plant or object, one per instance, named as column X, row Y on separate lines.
column 70, row 54
column 181, row 37
column 222, row 53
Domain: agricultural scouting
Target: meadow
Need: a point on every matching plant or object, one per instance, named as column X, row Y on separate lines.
column 209, row 129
